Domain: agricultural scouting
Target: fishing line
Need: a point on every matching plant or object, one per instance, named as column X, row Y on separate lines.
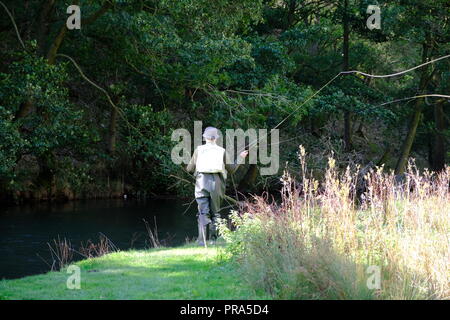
column 362, row 73
column 290, row 114
column 415, row 97
column 397, row 73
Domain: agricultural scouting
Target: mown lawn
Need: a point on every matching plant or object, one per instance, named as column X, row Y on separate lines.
column 187, row 272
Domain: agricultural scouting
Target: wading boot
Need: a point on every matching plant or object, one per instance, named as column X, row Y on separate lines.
column 202, row 222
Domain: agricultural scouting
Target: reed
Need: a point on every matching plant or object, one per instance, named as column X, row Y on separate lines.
column 61, row 252
column 323, row 238
column 92, row 250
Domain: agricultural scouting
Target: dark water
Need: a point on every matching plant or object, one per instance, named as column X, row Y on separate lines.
column 26, row 230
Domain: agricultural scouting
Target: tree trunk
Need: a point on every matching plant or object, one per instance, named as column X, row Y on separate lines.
column 409, row 140
column 249, row 179
column 51, row 55
column 46, row 176
column 345, row 67
column 112, row 137
column 407, row 144
column 385, row 157
column 43, row 25
column 291, row 13
column 24, row 109
column 438, row 162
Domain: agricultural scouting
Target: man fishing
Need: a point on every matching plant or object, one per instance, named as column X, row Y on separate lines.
column 210, row 165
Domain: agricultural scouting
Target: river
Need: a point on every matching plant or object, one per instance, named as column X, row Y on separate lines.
column 25, row 230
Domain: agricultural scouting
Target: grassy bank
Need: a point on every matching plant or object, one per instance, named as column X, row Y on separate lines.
column 351, row 236
column 355, row 235
column 187, row 272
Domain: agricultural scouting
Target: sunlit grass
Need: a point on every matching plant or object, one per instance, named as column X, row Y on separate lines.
column 188, row 272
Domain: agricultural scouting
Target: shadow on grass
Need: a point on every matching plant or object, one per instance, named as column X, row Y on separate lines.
column 137, row 275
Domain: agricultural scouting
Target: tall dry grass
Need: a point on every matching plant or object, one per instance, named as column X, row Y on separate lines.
column 322, row 239
column 62, row 251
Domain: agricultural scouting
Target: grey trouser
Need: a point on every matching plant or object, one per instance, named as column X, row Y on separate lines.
column 209, row 191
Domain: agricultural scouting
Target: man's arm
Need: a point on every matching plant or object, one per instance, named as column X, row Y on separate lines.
column 191, row 166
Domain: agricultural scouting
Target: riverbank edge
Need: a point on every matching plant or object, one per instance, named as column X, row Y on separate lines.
column 186, row 272
column 11, row 201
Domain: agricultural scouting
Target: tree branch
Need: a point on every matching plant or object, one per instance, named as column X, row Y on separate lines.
column 51, row 55
column 14, row 23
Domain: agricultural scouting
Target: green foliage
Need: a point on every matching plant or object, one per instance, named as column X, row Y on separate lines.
column 268, row 58
column 55, row 123
column 165, row 64
column 218, row 17
column 11, row 143
column 145, row 140
column 52, row 125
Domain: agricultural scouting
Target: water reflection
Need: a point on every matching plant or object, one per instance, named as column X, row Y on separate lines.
column 25, row 230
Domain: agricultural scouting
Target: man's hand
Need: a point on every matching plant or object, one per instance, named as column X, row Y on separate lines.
column 244, row 154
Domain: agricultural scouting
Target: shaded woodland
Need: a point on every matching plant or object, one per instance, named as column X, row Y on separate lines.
column 89, row 113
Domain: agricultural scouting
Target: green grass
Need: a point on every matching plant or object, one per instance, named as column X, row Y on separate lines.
column 186, row 272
